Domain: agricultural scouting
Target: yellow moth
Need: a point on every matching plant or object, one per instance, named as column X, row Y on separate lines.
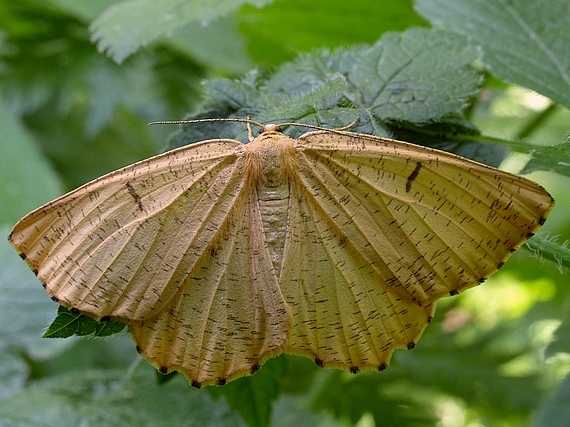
column 335, row 246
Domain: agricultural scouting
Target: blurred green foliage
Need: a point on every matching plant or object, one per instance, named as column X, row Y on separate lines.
column 496, row 355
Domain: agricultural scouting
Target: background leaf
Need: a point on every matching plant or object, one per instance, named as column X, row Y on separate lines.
column 24, row 313
column 556, row 412
column 26, row 178
column 553, row 159
column 107, row 398
column 124, row 28
column 24, row 309
column 417, row 76
column 524, row 42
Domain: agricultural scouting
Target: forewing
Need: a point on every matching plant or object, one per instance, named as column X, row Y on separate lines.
column 380, row 229
column 428, row 222
column 230, row 317
column 123, row 245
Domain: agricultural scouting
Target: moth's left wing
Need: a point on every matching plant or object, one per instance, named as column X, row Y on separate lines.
column 123, row 244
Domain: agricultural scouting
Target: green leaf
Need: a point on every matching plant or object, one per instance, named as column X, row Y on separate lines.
column 348, row 397
column 123, row 28
column 544, row 246
column 108, row 398
column 393, row 69
column 258, row 98
column 416, row 76
column 323, row 105
column 67, row 324
column 14, row 373
column 309, row 71
column 296, row 411
column 26, row 178
column 386, row 86
column 25, row 308
column 26, row 87
column 233, row 95
column 110, row 86
column 331, row 89
column 218, row 45
column 524, row 42
column 554, row 159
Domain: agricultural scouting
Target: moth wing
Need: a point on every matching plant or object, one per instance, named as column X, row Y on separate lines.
column 430, row 222
column 374, row 239
column 231, row 317
column 124, row 244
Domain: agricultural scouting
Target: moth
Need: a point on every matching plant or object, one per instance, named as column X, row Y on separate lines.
column 335, row 246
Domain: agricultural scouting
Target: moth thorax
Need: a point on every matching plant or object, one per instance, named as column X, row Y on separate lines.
column 270, row 160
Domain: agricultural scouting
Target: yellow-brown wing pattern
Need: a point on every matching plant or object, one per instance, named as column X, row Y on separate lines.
column 428, row 222
column 231, row 317
column 379, row 230
column 344, row 314
column 122, row 245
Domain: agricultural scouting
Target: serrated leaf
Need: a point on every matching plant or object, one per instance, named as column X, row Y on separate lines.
column 250, row 97
column 524, row 42
column 309, row 71
column 123, row 28
column 233, row 95
column 67, row 324
column 416, row 76
column 319, row 107
column 545, row 246
column 331, row 89
column 553, row 159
